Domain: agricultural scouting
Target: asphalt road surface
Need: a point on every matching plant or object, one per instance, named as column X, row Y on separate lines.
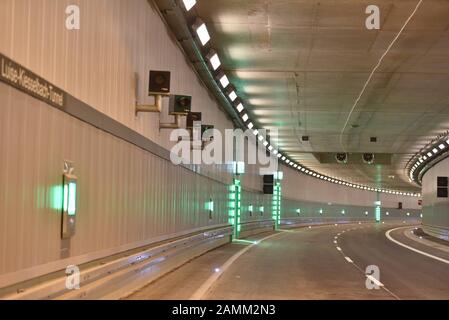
column 325, row 262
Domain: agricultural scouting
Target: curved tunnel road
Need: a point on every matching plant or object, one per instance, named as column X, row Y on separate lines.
column 326, row 262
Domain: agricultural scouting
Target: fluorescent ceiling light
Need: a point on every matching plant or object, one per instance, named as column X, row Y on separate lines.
column 260, row 138
column 270, row 148
column 283, row 158
column 240, row 107
column 232, row 96
column 256, row 132
column 250, row 125
column 441, row 146
column 279, row 155
column 245, row 117
column 265, row 143
column 189, row 4
column 215, row 62
column 435, row 150
column 203, row 34
column 275, row 152
column 224, row 81
column 429, row 154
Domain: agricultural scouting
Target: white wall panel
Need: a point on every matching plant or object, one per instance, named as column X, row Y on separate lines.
column 436, row 210
column 99, row 63
column 125, row 195
column 303, row 187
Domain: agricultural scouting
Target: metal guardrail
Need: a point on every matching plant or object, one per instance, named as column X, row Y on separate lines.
column 437, row 231
column 94, row 280
column 254, row 225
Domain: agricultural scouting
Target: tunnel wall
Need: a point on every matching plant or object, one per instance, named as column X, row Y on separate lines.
column 302, row 187
column 435, row 210
column 128, row 197
column 339, row 213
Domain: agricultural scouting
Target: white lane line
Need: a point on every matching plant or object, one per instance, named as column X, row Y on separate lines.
column 336, row 237
column 375, row 281
column 387, row 234
column 199, row 294
column 335, row 241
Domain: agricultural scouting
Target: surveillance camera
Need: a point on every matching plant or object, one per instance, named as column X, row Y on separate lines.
column 159, row 82
column 180, row 105
column 368, row 158
column 341, row 157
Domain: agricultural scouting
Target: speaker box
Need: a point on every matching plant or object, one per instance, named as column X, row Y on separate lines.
column 204, row 128
column 400, row 205
column 268, row 184
column 191, row 118
column 159, row 82
column 180, row 105
column 442, row 192
column 442, row 181
column 268, row 179
column 268, row 189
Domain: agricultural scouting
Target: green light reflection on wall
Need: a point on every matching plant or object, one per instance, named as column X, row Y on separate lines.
column 56, row 198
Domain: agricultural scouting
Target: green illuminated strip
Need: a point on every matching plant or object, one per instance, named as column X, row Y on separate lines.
column 72, row 199
column 235, row 207
column 210, row 206
column 276, row 205
column 377, row 211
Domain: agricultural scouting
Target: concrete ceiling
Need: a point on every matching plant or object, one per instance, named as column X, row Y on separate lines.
column 300, row 65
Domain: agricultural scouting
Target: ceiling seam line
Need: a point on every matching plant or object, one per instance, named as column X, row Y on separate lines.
column 374, row 70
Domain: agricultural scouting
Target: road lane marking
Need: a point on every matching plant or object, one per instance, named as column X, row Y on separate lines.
column 387, row 234
column 335, row 242
column 199, row 294
column 349, row 260
column 370, row 277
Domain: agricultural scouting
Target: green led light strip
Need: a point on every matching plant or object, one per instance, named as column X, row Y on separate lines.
column 377, row 212
column 235, row 193
column 276, row 215
column 69, row 202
